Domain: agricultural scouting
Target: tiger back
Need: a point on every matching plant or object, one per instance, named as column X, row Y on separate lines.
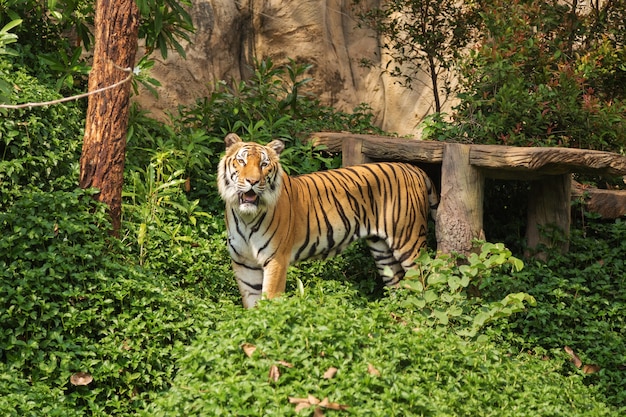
column 274, row 220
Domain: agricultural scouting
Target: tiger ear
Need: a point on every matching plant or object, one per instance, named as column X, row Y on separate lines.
column 231, row 139
column 276, row 145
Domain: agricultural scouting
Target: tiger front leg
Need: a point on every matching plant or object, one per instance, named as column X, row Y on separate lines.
column 250, row 282
column 274, row 277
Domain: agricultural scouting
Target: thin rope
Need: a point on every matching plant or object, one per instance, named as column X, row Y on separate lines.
column 71, row 98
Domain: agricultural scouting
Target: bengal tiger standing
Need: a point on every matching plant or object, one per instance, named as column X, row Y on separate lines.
column 274, row 220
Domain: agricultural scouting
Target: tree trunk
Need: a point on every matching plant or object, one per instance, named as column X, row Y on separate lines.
column 104, row 145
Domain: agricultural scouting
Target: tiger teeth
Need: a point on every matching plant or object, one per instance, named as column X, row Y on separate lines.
column 249, row 197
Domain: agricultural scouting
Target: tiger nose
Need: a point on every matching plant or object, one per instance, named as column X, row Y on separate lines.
column 252, row 181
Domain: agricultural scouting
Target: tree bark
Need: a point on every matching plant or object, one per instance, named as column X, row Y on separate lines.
column 104, row 144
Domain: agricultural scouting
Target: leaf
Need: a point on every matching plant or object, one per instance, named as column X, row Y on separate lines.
column 301, row 403
column 372, row 371
column 430, row 296
column 81, row 378
column 332, row 406
column 248, row 349
column 573, row 357
column 330, row 373
column 310, row 401
column 591, row 369
column 441, row 315
column 274, row 373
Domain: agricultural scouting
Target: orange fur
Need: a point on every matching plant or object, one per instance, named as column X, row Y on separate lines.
column 274, row 220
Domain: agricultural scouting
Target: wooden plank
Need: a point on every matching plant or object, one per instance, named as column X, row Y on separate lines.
column 551, row 161
column 610, row 204
column 331, row 140
column 385, row 148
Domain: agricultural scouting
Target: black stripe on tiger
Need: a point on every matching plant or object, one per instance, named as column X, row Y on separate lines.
column 275, row 217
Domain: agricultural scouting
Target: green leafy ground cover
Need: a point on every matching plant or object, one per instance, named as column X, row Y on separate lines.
column 155, row 317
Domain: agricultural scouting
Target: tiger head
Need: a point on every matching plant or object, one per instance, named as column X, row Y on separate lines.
column 250, row 175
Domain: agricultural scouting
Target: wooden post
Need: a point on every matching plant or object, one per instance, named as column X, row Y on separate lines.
column 351, row 152
column 549, row 213
column 460, row 213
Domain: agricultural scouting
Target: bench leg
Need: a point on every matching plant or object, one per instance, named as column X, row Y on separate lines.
column 460, row 212
column 549, row 215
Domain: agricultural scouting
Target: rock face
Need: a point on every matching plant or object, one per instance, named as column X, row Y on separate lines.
column 230, row 34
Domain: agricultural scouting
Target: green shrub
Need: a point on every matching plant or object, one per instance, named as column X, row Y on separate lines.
column 541, row 74
column 39, row 147
column 443, row 287
column 387, row 364
column 581, row 303
column 70, row 302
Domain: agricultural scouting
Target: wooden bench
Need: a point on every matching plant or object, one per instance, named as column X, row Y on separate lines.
column 463, row 168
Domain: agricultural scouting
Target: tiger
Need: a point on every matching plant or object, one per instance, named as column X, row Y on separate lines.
column 274, row 220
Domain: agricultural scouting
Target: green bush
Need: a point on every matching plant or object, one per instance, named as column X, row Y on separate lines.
column 39, row 147
column 581, row 303
column 70, row 302
column 541, row 74
column 386, row 362
column 443, row 288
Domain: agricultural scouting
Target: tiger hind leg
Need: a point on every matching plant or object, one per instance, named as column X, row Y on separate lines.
column 384, row 258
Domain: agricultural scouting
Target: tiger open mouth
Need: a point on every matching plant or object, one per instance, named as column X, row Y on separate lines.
column 249, row 197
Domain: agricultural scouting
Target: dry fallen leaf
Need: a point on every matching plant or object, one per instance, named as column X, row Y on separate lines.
column 372, row 371
column 285, row 364
column 311, row 401
column 398, row 319
column 301, row 403
column 573, row 357
column 81, row 378
column 248, row 349
column 591, row 369
column 588, row 368
column 318, row 412
column 332, row 406
column 274, row 373
column 330, row 373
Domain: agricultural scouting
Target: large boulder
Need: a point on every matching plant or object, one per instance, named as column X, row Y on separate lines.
column 230, row 34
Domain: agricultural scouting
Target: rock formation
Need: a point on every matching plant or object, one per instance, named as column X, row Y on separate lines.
column 230, row 34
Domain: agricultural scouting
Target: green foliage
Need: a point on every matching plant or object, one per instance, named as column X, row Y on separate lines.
column 272, row 103
column 163, row 24
column 385, row 366
column 422, row 36
column 55, row 35
column 581, row 303
column 69, row 302
column 43, row 39
column 443, row 287
column 542, row 74
column 6, row 37
column 39, row 147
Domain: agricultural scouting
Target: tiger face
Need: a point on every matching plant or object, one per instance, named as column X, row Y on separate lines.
column 250, row 175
